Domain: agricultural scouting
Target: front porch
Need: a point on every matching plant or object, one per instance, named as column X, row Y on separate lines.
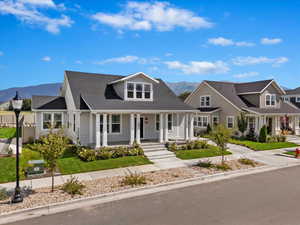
column 276, row 124
column 106, row 129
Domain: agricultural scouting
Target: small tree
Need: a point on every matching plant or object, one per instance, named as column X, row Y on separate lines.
column 208, row 129
column 221, row 135
column 263, row 133
column 242, row 123
column 52, row 147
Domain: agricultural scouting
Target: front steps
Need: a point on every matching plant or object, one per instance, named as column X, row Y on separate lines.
column 160, row 156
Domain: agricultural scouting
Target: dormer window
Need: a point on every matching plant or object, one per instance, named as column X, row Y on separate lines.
column 270, row 100
column 139, row 91
column 205, row 101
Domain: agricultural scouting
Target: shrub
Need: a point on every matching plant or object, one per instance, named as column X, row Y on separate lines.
column 263, row 134
column 281, row 138
column 201, row 145
column 223, row 166
column 208, row 129
column 73, row 186
column 87, row 155
column 172, row 147
column 103, row 154
column 271, row 139
column 251, row 136
column 190, row 145
column 205, row 164
column 133, row 179
column 4, row 194
column 246, row 161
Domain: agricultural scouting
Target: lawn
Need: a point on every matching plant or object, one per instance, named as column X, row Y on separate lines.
column 66, row 165
column 293, row 153
column 200, row 153
column 7, row 132
column 257, row 146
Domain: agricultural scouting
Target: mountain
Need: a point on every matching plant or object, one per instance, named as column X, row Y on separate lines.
column 53, row 89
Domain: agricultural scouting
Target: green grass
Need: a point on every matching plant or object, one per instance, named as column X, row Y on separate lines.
column 7, row 132
column 257, row 146
column 75, row 165
column 293, row 153
column 200, row 153
column 7, row 169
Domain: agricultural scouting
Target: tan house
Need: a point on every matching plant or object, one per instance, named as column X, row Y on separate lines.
column 262, row 101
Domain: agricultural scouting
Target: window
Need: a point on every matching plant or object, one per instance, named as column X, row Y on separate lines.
column 204, row 101
column 139, row 91
column 270, row 100
column 251, row 123
column 215, row 120
column 130, row 90
column 298, row 99
column 230, row 122
column 170, row 122
column 286, row 99
column 201, row 121
column 47, row 120
column 57, row 120
column 157, row 122
column 52, row 120
column 115, row 123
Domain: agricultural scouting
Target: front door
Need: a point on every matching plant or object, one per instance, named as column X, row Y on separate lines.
column 269, row 125
column 141, row 127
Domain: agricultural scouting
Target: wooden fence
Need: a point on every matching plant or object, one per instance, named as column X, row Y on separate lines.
column 9, row 120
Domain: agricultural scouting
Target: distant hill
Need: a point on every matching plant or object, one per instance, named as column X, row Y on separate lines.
column 52, row 89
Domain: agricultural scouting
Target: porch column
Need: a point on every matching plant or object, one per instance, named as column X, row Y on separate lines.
column 191, row 126
column 166, row 128
column 138, row 125
column 177, row 125
column 186, row 125
column 277, row 125
column 131, row 128
column 161, row 128
column 104, row 138
column 98, row 136
column 91, row 128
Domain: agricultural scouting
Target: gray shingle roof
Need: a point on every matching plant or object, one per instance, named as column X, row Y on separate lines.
column 95, row 91
column 285, row 108
column 256, row 86
column 295, row 91
column 48, row 102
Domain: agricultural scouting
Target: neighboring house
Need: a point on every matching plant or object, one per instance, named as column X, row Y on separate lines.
column 4, row 106
column 293, row 96
column 100, row 110
column 262, row 101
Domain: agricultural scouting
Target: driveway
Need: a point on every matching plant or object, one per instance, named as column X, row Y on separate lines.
column 270, row 198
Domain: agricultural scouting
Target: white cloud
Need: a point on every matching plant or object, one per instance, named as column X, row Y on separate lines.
column 78, row 62
column 246, row 75
column 1, row 53
column 199, row 67
column 249, row 60
column 229, row 42
column 161, row 16
column 270, row 41
column 46, row 58
column 168, row 54
column 130, row 59
column 28, row 12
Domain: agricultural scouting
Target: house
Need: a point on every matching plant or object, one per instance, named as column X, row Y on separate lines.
column 293, row 96
column 261, row 101
column 4, row 106
column 100, row 110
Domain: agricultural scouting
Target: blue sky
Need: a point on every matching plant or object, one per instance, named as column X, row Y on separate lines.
column 174, row 40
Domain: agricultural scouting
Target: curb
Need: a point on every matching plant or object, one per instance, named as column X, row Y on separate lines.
column 125, row 194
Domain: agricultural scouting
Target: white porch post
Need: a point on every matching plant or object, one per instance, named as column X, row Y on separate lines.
column 98, row 136
column 161, row 129
column 166, row 128
column 191, row 126
column 78, row 126
column 131, row 128
column 91, row 128
column 277, row 125
column 138, row 128
column 177, row 125
column 104, row 138
column 186, row 125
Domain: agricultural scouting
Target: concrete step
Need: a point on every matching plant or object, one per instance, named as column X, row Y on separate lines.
column 156, row 150
column 158, row 153
column 153, row 146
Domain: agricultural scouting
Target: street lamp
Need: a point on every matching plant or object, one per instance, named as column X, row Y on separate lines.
column 17, row 106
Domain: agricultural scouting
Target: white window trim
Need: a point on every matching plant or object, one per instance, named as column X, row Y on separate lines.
column 52, row 120
column 196, row 120
column 270, row 95
column 227, row 122
column 109, row 119
column 204, row 96
column 297, row 99
column 134, row 91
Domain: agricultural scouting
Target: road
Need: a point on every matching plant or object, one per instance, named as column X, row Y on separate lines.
column 260, row 199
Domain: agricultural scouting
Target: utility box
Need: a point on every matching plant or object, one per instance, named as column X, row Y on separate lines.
column 36, row 167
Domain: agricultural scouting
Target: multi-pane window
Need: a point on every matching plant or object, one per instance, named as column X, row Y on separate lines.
column 251, row 123
column 115, row 123
column 170, row 121
column 230, row 122
column 204, row 101
column 52, row 120
column 137, row 90
column 215, row 120
column 201, row 121
column 157, row 122
column 298, row 99
column 270, row 100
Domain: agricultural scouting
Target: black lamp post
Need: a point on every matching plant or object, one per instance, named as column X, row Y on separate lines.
column 17, row 106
